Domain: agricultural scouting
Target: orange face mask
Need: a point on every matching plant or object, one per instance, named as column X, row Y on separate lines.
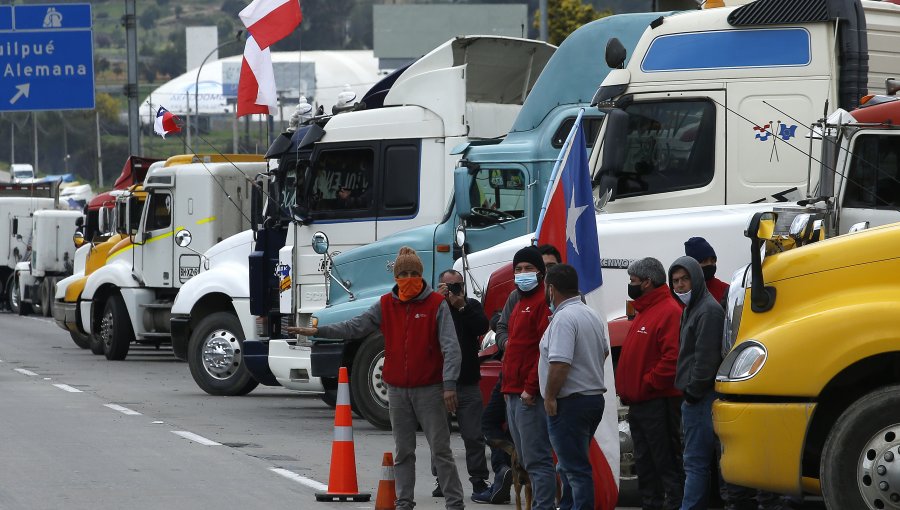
column 409, row 288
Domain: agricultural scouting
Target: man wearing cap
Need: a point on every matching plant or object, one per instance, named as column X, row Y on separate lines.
column 523, row 321
column 421, row 366
column 700, row 250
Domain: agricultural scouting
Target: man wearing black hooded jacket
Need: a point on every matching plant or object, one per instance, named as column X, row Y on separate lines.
column 699, row 356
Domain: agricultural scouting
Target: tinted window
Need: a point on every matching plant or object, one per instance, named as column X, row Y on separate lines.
column 670, row 146
column 499, row 190
column 874, row 176
column 160, row 213
column 591, row 126
column 343, row 182
column 401, row 180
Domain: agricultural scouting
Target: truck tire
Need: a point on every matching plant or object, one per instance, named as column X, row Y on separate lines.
column 14, row 298
column 368, row 393
column 45, row 293
column 215, row 356
column 95, row 343
column 861, row 458
column 115, row 329
column 80, row 339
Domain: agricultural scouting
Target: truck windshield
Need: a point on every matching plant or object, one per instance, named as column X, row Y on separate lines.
column 669, row 146
column 500, row 190
column 343, row 183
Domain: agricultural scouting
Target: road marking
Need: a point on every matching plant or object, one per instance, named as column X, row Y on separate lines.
column 25, row 372
column 66, row 387
column 122, row 409
column 196, row 438
column 47, row 379
column 309, row 482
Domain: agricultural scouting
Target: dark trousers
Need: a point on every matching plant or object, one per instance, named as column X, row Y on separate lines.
column 492, row 419
column 571, row 431
column 656, row 431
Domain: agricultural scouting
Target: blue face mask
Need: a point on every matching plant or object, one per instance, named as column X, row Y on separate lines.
column 550, row 303
column 526, row 281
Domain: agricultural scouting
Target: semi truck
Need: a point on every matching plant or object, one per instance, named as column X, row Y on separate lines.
column 18, row 203
column 380, row 166
column 661, row 146
column 193, row 202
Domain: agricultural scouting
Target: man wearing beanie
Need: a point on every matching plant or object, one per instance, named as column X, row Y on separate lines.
column 700, row 250
column 421, row 365
column 519, row 330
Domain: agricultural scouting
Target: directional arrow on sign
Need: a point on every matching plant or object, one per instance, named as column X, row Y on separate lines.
column 23, row 90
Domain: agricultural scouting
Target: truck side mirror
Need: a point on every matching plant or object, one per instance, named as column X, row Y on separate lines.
column 78, row 239
column 183, row 238
column 613, row 157
column 606, row 190
column 760, row 229
column 615, row 53
column 320, row 243
column 858, row 227
column 462, row 183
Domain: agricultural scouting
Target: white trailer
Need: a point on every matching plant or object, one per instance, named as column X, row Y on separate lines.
column 18, row 203
column 53, row 247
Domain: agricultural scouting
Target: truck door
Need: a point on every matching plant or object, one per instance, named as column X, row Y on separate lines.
column 871, row 190
column 158, row 241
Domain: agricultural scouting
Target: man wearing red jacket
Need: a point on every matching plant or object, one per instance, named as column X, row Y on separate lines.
column 528, row 317
column 645, row 381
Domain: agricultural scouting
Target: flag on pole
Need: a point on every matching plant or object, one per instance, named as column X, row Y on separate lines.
column 256, row 86
column 569, row 223
column 165, row 123
column 270, row 21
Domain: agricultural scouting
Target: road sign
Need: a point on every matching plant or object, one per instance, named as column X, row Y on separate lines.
column 46, row 57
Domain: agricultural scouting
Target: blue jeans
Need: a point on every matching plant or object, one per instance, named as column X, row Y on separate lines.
column 699, row 451
column 528, row 427
column 571, row 431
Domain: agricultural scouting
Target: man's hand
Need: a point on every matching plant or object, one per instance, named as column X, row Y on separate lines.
column 450, row 400
column 550, row 406
column 527, row 398
column 455, row 301
column 343, row 193
column 302, row 330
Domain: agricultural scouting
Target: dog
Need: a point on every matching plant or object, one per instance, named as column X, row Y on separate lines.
column 519, row 475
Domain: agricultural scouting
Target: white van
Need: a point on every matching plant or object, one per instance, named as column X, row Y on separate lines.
column 21, row 172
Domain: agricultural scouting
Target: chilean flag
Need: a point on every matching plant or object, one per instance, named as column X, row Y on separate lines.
column 165, row 123
column 256, row 86
column 270, row 21
column 569, row 223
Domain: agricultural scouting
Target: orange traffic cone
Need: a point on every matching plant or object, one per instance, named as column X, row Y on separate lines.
column 387, row 493
column 342, row 479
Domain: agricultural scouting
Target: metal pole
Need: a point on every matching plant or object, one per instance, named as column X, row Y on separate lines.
column 34, row 126
column 65, row 148
column 234, row 134
column 542, row 5
column 131, row 89
column 99, row 152
column 12, row 141
column 187, row 132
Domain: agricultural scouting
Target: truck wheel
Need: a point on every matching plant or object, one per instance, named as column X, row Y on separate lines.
column 15, row 298
column 115, row 329
column 860, row 466
column 80, row 339
column 215, row 356
column 368, row 393
column 46, row 297
column 95, row 343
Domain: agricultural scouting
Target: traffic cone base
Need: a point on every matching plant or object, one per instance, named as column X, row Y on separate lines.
column 342, row 484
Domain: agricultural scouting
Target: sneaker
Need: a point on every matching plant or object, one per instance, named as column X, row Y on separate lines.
column 437, row 492
column 498, row 493
column 479, row 486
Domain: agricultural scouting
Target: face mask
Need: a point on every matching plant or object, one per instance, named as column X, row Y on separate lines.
column 685, row 297
column 549, row 298
column 526, row 281
column 409, row 288
column 709, row 271
column 634, row 291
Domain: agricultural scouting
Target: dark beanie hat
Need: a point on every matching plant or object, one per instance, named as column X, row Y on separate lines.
column 698, row 249
column 531, row 255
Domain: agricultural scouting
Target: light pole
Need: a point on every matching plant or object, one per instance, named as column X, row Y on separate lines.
column 237, row 38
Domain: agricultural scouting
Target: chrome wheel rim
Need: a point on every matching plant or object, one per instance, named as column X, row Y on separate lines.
column 878, row 472
column 106, row 329
column 14, row 295
column 377, row 387
column 221, row 354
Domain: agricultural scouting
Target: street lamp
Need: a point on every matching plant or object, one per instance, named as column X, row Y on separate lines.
column 237, row 38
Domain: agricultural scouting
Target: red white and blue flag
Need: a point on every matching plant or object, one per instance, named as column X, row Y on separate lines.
column 165, row 123
column 270, row 21
column 569, row 223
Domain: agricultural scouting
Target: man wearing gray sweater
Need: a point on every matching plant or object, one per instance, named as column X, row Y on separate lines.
column 421, row 365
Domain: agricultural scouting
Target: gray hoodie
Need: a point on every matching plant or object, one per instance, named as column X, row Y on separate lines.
column 369, row 322
column 702, row 324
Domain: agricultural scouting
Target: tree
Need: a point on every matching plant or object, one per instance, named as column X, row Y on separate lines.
column 233, row 7
column 147, row 19
column 566, row 16
column 107, row 106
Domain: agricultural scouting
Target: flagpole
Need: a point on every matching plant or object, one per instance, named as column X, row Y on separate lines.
column 554, row 176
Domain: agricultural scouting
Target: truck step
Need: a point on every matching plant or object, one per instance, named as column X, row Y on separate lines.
column 155, row 335
column 158, row 306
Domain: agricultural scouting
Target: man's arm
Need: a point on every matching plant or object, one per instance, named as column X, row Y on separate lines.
column 473, row 319
column 360, row 326
column 502, row 333
column 662, row 376
column 707, row 352
column 449, row 346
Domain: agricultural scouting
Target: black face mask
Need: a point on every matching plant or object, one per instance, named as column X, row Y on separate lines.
column 634, row 291
column 709, row 271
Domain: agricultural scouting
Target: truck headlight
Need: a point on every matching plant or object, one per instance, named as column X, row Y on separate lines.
column 744, row 362
column 735, row 307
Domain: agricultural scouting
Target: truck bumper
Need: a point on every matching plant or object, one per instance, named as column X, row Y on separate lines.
column 326, row 358
column 66, row 315
column 181, row 335
column 256, row 359
column 84, row 306
column 290, row 364
column 762, row 444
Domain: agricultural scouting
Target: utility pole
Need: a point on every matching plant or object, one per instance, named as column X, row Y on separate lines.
column 544, row 33
column 34, row 126
column 131, row 88
column 99, row 152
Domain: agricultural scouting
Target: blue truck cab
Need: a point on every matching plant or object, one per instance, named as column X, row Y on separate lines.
column 502, row 183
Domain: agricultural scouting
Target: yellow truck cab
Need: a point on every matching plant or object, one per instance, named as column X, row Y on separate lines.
column 809, row 396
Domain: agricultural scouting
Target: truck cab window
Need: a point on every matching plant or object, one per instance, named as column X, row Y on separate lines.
column 159, row 215
column 670, row 146
column 874, row 177
column 343, row 183
column 497, row 195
